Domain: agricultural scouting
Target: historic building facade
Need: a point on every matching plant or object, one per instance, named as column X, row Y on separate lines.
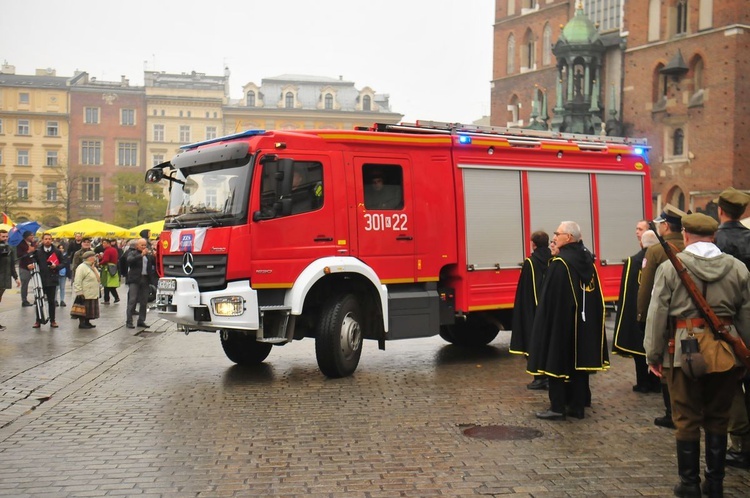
column 64, row 140
column 673, row 71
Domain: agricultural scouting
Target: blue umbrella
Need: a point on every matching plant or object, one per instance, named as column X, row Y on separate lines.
column 15, row 234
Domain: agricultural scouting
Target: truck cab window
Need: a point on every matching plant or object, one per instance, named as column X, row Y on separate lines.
column 383, row 186
column 301, row 193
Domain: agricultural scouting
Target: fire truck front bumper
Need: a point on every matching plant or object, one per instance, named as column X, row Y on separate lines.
column 179, row 300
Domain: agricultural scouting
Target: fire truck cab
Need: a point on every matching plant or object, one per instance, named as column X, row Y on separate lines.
column 390, row 232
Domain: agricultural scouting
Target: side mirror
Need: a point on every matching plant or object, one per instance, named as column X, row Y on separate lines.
column 154, row 175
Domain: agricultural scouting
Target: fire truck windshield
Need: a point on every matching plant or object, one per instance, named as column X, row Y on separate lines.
column 209, row 197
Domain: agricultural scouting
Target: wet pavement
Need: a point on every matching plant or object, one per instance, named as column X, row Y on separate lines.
column 120, row 412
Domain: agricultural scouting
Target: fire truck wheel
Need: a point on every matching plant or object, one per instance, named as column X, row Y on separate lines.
column 338, row 344
column 243, row 349
column 472, row 332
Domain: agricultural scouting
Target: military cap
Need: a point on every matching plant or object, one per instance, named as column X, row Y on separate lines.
column 699, row 224
column 670, row 214
column 733, row 201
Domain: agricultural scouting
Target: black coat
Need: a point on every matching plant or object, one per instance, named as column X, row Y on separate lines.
column 527, row 299
column 733, row 238
column 49, row 275
column 135, row 265
column 568, row 331
column 628, row 340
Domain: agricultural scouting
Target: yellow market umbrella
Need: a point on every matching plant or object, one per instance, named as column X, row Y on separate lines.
column 89, row 228
column 156, row 228
column 5, row 226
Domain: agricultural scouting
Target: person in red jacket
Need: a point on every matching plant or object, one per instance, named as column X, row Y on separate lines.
column 110, row 273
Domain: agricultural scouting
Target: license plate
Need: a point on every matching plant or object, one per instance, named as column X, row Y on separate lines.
column 167, row 284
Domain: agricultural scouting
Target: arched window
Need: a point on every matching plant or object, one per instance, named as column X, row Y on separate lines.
column 329, row 102
column 654, row 19
column 659, row 84
column 676, row 197
column 528, row 53
column 678, row 142
column 546, row 45
column 366, row 103
column 511, row 7
column 251, row 98
column 705, row 14
column 698, row 74
column 513, row 111
column 510, row 66
column 289, row 100
column 681, row 12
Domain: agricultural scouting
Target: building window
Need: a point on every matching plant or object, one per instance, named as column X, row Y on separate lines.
column 659, row 84
column 127, row 154
column 698, row 74
column 51, row 158
column 1, row 126
column 157, row 159
column 180, row 113
column 189, row 114
column 289, row 100
column 513, row 115
column 681, row 19
column 52, row 129
column 91, row 152
column 210, row 132
column 154, row 112
column 250, row 99
column 23, row 127
column 90, row 188
column 1, row 156
column 23, row 190
column 678, row 142
column 546, row 45
column 51, row 191
column 127, row 117
column 23, row 98
column 529, row 51
column 184, row 133
column 510, row 65
column 23, row 158
column 158, row 133
column 91, row 115
column 329, row 102
column 511, row 7
column 162, row 112
column 705, row 14
column 605, row 14
column 366, row 103
column 654, row 17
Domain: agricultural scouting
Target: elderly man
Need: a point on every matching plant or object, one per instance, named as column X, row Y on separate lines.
column 672, row 317
column 567, row 339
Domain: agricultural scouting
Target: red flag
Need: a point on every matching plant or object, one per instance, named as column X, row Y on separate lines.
column 4, row 218
column 53, row 260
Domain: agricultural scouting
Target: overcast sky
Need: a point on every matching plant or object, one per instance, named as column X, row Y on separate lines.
column 433, row 57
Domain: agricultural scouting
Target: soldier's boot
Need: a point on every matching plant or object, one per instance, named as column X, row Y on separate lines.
column 688, row 467
column 716, row 451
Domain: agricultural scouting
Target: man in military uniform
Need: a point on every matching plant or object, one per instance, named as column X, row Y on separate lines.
column 733, row 238
column 669, row 228
column 704, row 401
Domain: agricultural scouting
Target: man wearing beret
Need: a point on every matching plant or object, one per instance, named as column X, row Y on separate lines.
column 705, row 401
column 669, row 227
column 733, row 238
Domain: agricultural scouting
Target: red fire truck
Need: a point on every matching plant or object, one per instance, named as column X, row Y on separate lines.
column 390, row 232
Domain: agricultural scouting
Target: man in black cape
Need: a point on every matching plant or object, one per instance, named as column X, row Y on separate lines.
column 568, row 339
column 628, row 336
column 527, row 299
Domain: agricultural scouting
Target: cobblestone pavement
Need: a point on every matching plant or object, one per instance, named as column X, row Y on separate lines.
column 119, row 412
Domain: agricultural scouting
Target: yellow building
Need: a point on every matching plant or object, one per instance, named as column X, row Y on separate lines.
column 33, row 144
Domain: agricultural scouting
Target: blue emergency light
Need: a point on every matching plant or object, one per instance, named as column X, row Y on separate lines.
column 639, row 151
column 464, row 139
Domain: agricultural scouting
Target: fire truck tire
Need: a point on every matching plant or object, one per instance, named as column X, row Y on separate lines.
column 243, row 349
column 472, row 332
column 338, row 345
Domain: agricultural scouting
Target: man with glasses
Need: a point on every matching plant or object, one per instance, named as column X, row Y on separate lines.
column 670, row 227
column 567, row 339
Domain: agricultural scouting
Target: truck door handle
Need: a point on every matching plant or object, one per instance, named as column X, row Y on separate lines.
column 404, row 237
column 323, row 239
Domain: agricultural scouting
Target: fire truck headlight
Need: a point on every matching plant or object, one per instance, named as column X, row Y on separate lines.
column 228, row 306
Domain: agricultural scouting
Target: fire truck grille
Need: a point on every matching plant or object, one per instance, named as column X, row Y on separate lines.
column 208, row 270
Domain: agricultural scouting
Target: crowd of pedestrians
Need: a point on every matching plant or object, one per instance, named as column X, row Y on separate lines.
column 558, row 324
column 43, row 269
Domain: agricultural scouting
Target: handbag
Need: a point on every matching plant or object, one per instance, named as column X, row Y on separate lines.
column 112, row 269
column 78, row 310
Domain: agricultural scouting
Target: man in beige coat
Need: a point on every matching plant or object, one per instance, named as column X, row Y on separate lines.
column 702, row 402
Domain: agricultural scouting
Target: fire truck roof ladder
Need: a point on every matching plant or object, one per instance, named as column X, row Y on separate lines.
column 511, row 134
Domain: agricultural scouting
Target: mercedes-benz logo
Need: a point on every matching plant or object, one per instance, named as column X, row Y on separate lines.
column 188, row 263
